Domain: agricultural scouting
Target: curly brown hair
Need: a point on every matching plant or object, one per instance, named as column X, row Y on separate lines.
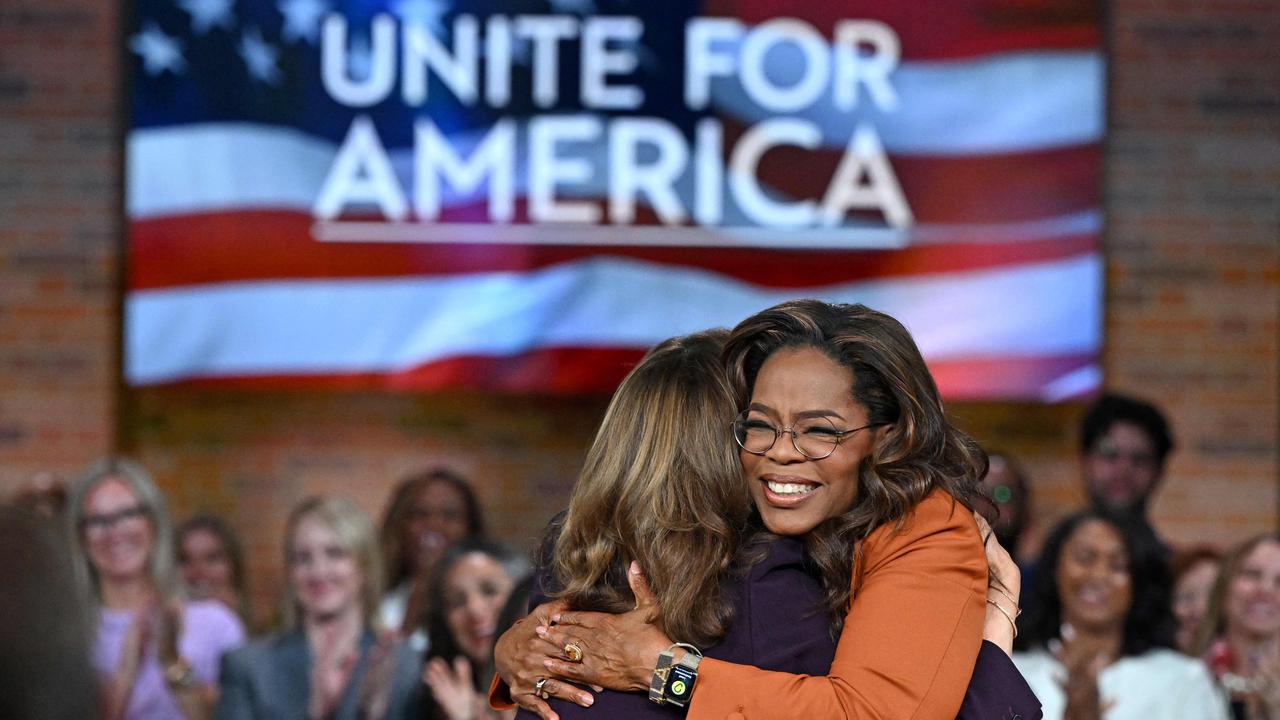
column 919, row 451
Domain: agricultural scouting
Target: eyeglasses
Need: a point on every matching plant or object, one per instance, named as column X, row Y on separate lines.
column 99, row 524
column 1110, row 453
column 814, row 438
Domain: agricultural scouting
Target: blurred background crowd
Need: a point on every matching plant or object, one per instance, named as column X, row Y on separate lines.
column 148, row 616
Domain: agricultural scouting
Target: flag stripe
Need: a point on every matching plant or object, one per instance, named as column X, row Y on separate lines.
column 265, row 245
column 947, row 29
column 572, row 370
column 305, row 327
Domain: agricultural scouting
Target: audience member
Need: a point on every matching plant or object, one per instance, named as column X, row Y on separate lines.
column 157, row 656
column 44, row 494
column 469, row 588
column 212, row 563
column 1195, row 570
column 327, row 663
column 1124, row 443
column 1240, row 635
column 1099, row 637
column 44, row 628
column 1009, row 511
column 427, row 512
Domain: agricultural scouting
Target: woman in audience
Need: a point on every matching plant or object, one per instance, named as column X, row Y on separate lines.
column 469, row 589
column 1240, row 635
column 662, row 489
column 427, row 511
column 327, row 663
column 212, row 563
column 1194, row 573
column 1098, row 639
column 157, row 656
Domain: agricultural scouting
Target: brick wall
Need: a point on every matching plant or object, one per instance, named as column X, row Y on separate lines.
column 1192, row 173
column 59, row 234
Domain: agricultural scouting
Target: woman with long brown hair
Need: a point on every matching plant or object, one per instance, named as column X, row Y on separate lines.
column 428, row 511
column 845, row 448
column 1240, row 635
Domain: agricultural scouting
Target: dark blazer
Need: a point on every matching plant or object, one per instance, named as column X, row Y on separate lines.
column 268, row 679
column 779, row 624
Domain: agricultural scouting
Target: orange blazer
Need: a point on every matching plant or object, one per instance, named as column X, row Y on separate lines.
column 909, row 642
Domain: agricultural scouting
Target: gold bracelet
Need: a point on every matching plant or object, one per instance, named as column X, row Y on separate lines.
column 1007, row 596
column 1006, row 614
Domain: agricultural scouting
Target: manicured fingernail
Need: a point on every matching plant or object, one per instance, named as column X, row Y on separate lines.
column 555, row 618
column 541, row 630
column 586, row 700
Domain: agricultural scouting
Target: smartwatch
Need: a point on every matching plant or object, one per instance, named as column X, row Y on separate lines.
column 179, row 675
column 673, row 680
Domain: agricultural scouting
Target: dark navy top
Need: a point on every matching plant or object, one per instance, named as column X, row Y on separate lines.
column 780, row 624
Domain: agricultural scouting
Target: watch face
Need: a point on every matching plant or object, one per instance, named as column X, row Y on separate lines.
column 680, row 684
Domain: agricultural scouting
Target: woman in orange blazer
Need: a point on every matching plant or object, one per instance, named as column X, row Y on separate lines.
column 844, row 443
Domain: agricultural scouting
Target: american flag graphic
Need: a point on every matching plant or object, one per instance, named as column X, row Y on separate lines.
column 992, row 135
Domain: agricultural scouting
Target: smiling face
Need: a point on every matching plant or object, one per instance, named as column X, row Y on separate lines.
column 1093, row 578
column 476, row 587
column 793, row 493
column 206, row 566
column 1191, row 599
column 325, row 574
column 1253, row 599
column 117, row 531
column 437, row 517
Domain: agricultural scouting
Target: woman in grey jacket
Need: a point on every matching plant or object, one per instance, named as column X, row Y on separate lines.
column 328, row 663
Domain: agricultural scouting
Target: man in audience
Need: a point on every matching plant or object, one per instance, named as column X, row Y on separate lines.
column 1123, row 443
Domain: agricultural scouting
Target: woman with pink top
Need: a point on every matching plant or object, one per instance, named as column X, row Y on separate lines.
column 156, row 655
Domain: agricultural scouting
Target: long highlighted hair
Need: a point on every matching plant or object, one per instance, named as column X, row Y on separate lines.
column 661, row 485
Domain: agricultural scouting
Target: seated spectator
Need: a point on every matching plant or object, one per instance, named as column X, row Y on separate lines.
column 1009, row 511
column 44, row 494
column 1099, row 637
column 427, row 512
column 44, row 628
column 1240, row 636
column 212, row 563
column 327, row 663
column 157, row 657
column 1124, row 446
column 469, row 588
column 1194, row 573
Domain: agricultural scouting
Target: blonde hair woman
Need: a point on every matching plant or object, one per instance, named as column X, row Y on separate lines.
column 327, row 662
column 122, row 542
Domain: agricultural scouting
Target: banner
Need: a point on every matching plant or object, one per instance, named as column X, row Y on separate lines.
column 524, row 196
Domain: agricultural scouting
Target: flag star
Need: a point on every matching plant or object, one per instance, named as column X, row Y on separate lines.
column 208, row 14
column 302, row 19
column 582, row 7
column 259, row 57
column 422, row 12
column 159, row 52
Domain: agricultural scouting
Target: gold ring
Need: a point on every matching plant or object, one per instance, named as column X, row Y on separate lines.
column 539, row 688
column 573, row 651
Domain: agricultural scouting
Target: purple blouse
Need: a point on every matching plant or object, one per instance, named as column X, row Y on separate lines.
column 208, row 630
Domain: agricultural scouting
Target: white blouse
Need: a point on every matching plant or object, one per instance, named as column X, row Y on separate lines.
column 1160, row 684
